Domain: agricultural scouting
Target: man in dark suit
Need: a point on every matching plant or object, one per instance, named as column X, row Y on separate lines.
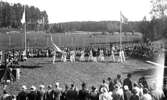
column 49, row 93
column 72, row 93
column 83, row 93
column 33, row 93
column 22, row 95
column 41, row 93
column 128, row 82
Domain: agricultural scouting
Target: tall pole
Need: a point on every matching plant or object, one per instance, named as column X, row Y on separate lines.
column 120, row 34
column 25, row 36
column 9, row 41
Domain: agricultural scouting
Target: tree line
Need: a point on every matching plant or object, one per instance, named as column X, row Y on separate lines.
column 152, row 29
column 11, row 15
column 92, row 26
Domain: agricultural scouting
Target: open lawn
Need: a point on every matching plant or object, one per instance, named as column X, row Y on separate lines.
column 37, row 71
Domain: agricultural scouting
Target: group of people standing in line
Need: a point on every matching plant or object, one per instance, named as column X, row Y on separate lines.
column 109, row 89
column 99, row 56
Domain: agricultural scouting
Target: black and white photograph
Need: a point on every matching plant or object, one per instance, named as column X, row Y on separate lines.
column 83, row 49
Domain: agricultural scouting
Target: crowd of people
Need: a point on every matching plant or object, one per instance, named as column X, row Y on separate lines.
column 110, row 89
column 137, row 50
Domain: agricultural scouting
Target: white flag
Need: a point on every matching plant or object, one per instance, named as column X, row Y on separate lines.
column 23, row 20
column 55, row 46
column 123, row 19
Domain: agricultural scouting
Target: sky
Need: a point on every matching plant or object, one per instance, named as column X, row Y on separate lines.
column 90, row 10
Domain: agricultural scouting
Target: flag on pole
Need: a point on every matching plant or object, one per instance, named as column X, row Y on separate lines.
column 23, row 20
column 56, row 48
column 123, row 19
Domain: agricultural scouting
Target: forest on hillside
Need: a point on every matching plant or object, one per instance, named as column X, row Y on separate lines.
column 11, row 15
column 153, row 29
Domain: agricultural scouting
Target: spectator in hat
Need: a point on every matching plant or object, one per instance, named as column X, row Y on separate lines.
column 41, row 93
column 118, row 80
column 146, row 95
column 22, row 95
column 93, row 95
column 136, row 87
column 33, row 93
column 104, row 84
column 127, row 93
column 134, row 95
column 128, row 82
column 143, row 81
column 104, row 94
column 111, row 84
column 49, row 93
column 57, row 91
column 118, row 93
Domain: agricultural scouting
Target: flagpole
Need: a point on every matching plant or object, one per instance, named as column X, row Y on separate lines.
column 25, row 36
column 120, row 37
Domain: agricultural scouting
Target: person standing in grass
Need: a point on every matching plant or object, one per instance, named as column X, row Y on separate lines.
column 82, row 57
column 113, row 53
column 128, row 82
column 54, row 57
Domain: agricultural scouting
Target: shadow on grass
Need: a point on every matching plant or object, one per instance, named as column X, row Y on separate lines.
column 30, row 66
column 148, row 71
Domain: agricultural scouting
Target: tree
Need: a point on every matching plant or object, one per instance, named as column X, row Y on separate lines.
column 159, row 20
column 159, row 8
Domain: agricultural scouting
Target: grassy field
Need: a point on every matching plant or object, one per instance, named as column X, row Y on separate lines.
column 42, row 40
column 37, row 71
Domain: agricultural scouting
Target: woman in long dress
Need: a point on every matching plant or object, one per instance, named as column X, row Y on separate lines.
column 64, row 57
column 82, row 57
column 90, row 56
column 72, row 56
column 54, row 57
column 101, row 56
column 113, row 54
